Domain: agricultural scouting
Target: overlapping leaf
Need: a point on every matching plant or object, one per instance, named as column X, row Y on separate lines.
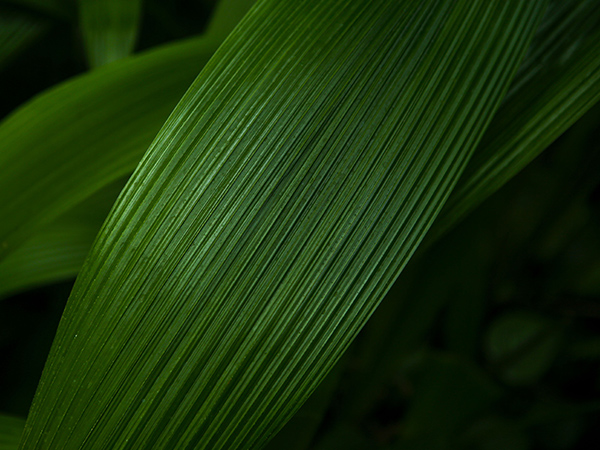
column 270, row 216
column 90, row 131
column 558, row 83
column 57, row 252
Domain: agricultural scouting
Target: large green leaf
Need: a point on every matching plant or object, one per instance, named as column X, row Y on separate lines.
column 269, row 217
column 567, row 20
column 109, row 28
column 89, row 132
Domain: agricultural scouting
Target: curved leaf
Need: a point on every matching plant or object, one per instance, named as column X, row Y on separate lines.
column 88, row 132
column 269, row 217
column 556, row 85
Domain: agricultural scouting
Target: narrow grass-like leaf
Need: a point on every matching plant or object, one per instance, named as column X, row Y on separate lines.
column 83, row 135
column 109, row 28
column 17, row 32
column 11, row 428
column 568, row 23
column 269, row 217
column 149, row 86
column 51, row 132
column 558, row 83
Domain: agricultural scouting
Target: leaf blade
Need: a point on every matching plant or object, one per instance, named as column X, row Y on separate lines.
column 555, row 87
column 185, row 202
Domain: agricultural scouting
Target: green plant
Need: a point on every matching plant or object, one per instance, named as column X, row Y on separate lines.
column 323, row 145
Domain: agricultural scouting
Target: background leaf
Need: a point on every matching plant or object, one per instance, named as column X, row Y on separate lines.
column 89, row 132
column 17, row 32
column 557, row 84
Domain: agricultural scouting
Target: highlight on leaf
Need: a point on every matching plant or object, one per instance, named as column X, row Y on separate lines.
column 300, row 248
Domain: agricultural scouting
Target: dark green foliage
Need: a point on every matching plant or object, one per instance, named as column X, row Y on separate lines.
column 488, row 340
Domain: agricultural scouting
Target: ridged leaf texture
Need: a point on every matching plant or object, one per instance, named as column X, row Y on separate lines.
column 269, row 217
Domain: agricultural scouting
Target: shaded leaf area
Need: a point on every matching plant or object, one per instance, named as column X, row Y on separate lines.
column 109, row 28
column 58, row 252
column 91, row 131
column 11, row 428
column 270, row 216
column 17, row 32
column 497, row 301
column 558, row 82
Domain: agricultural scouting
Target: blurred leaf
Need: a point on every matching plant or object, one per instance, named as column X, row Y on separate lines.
column 109, row 28
column 556, row 85
column 269, row 217
column 10, row 431
column 17, row 32
column 57, row 252
column 522, row 346
column 88, row 132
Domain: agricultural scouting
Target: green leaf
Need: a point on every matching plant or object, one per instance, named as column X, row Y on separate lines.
column 17, row 32
column 227, row 15
column 88, row 132
column 557, row 84
column 57, row 252
column 270, row 216
column 11, row 428
column 109, row 28
column 76, row 125
column 38, row 138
